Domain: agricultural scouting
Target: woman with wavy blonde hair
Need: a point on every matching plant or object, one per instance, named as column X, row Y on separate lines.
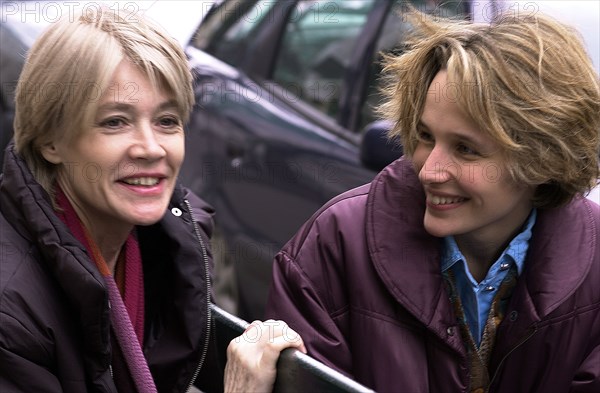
column 472, row 263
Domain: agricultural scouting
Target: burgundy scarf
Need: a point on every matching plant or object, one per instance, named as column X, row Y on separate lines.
column 126, row 299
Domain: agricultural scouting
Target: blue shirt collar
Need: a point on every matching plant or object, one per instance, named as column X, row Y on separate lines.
column 516, row 250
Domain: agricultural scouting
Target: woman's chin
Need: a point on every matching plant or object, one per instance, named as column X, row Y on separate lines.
column 146, row 218
column 437, row 229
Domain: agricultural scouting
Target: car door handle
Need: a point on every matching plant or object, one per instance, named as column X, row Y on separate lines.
column 235, row 152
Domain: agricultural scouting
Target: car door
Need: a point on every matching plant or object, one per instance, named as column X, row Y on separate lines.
column 258, row 150
column 282, row 89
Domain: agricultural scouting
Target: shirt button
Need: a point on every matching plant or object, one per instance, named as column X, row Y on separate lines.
column 450, row 331
column 489, row 288
column 504, row 266
column 176, row 212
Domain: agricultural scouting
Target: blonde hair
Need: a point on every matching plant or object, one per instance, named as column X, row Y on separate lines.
column 526, row 81
column 71, row 65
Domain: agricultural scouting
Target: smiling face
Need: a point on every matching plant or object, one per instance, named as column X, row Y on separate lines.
column 122, row 170
column 469, row 192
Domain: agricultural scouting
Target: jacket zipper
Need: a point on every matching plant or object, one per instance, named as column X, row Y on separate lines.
column 523, row 341
column 208, row 289
column 110, row 368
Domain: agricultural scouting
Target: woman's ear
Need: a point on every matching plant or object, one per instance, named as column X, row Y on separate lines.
column 50, row 153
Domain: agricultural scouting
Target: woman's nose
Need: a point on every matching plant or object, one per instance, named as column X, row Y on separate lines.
column 147, row 146
column 438, row 167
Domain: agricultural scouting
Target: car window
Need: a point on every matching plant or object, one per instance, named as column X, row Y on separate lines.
column 228, row 31
column 391, row 40
column 13, row 51
column 317, row 47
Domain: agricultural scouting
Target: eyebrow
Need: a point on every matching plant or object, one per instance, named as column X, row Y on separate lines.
column 171, row 104
column 456, row 134
column 125, row 107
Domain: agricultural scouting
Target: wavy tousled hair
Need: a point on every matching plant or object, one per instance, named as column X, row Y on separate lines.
column 526, row 81
column 71, row 65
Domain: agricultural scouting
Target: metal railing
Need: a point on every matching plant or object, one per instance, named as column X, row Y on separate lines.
column 296, row 372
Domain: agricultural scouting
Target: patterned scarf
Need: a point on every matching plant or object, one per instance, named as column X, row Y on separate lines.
column 479, row 357
column 126, row 302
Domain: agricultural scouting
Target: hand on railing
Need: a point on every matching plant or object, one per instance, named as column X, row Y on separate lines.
column 252, row 357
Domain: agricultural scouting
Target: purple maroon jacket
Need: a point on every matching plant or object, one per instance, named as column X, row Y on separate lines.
column 361, row 283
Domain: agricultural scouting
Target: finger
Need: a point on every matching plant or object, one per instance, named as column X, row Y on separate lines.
column 292, row 338
column 280, row 328
column 263, row 332
column 272, row 350
column 253, row 324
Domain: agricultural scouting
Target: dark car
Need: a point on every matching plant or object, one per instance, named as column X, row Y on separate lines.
column 15, row 39
column 285, row 120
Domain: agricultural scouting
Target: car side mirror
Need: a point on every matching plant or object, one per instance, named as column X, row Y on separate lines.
column 376, row 149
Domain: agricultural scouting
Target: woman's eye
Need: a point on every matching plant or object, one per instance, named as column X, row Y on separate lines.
column 115, row 122
column 424, row 136
column 466, row 150
column 169, row 122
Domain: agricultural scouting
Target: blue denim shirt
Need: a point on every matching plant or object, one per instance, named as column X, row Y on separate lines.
column 477, row 297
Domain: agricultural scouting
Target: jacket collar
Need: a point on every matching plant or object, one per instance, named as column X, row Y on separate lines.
column 27, row 206
column 405, row 256
column 563, row 247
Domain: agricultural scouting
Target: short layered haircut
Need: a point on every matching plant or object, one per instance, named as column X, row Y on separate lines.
column 526, row 81
column 71, row 65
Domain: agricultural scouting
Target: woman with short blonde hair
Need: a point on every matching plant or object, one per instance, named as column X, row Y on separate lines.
column 69, row 68
column 471, row 264
column 527, row 82
column 105, row 261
